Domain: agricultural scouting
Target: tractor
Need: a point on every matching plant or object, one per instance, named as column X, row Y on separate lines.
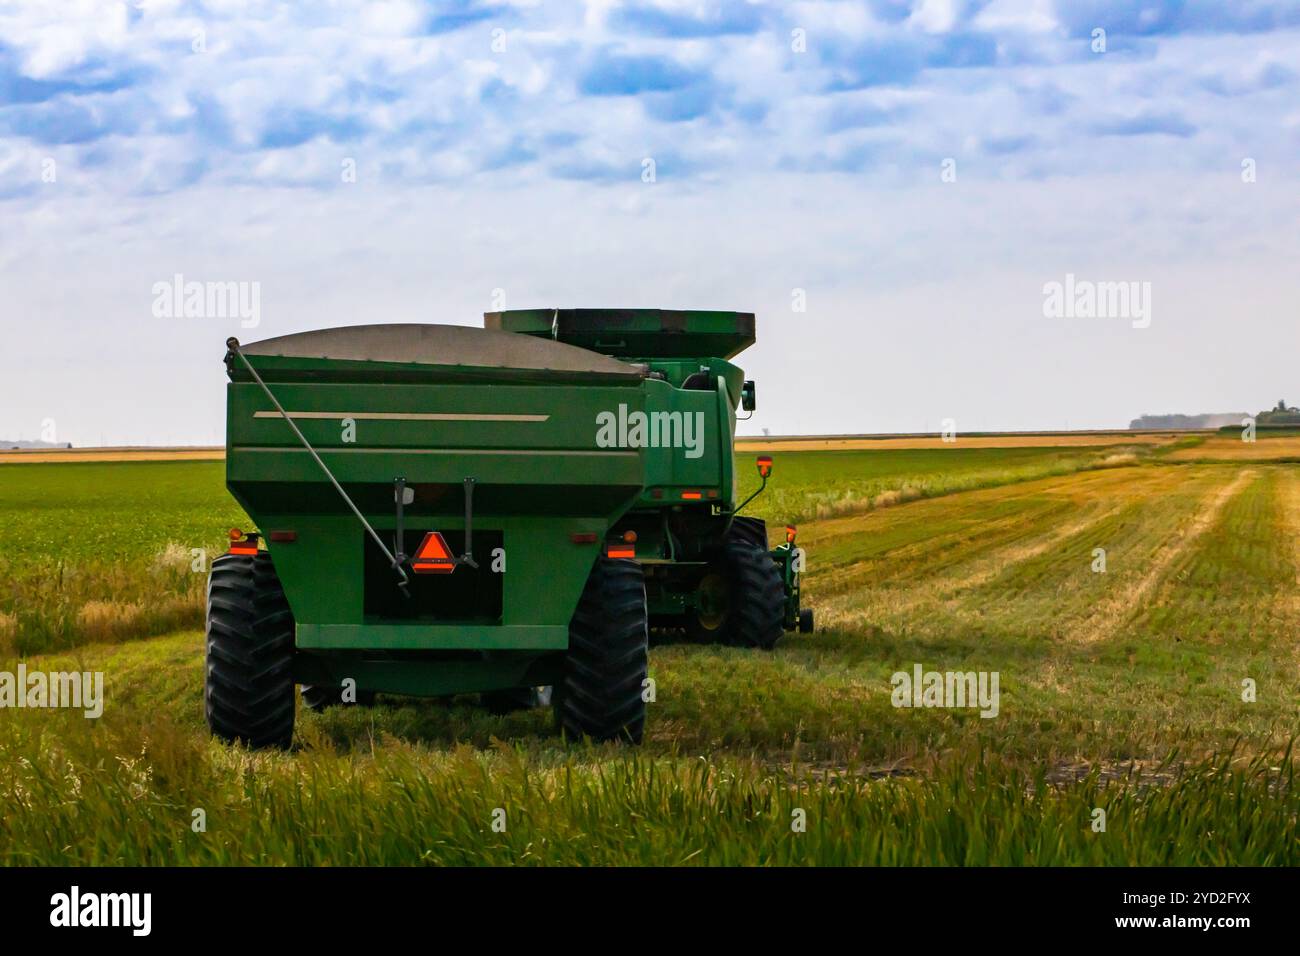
column 505, row 511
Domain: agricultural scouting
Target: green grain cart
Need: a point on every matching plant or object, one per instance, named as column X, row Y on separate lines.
column 446, row 510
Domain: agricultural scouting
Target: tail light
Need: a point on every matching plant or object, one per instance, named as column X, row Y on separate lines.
column 241, row 544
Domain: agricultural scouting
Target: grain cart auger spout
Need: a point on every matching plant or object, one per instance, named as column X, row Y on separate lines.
column 446, row 510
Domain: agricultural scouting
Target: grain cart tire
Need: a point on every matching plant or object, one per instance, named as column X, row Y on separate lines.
column 742, row 599
column 317, row 697
column 248, row 687
column 605, row 667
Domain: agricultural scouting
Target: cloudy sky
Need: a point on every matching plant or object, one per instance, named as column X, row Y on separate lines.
column 890, row 186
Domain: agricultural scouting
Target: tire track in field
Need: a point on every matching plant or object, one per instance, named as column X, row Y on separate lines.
column 998, row 559
column 1116, row 611
column 996, row 563
column 1005, row 558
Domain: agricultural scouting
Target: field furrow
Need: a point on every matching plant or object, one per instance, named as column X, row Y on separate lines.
column 1111, row 613
column 1031, row 571
column 898, row 547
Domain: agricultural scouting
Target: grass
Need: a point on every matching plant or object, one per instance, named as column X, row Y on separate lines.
column 1123, row 690
column 124, row 791
column 104, row 551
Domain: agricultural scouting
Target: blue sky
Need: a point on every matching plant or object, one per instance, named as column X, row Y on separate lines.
column 500, row 152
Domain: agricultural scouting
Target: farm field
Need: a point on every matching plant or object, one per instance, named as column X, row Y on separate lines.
column 69, row 455
column 1230, row 447
column 1010, row 440
column 1121, row 689
column 110, row 546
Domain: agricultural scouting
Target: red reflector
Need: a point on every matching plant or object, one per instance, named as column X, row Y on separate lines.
column 433, row 556
column 243, row 549
column 583, row 537
column 616, row 551
column 691, row 495
column 284, row 535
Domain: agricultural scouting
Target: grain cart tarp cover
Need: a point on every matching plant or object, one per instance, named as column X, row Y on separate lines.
column 424, row 408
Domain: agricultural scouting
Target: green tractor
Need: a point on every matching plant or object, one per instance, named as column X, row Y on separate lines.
column 505, row 511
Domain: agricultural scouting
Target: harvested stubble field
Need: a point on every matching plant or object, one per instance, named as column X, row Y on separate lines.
column 71, row 455
column 1120, row 690
column 1010, row 440
column 1229, row 447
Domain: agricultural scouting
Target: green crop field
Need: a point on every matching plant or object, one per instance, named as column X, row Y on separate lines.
column 106, row 549
column 1141, row 612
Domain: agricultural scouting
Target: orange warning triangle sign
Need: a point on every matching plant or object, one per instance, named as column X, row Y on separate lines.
column 433, row 556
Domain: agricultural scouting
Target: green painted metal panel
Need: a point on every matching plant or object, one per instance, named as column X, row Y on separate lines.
column 673, row 415
column 424, row 416
column 542, row 571
column 349, row 637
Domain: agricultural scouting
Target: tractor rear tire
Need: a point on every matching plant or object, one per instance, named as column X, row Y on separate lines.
column 317, row 697
column 600, row 695
column 248, row 687
column 748, row 598
column 751, row 530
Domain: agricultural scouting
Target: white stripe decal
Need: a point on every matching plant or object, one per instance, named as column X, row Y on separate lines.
column 408, row 416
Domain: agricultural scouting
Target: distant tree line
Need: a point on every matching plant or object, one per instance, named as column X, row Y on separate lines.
column 1162, row 422
column 1279, row 414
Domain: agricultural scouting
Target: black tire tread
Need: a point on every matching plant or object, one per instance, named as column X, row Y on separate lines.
column 606, row 664
column 758, row 597
column 249, row 636
column 752, row 530
column 756, row 600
